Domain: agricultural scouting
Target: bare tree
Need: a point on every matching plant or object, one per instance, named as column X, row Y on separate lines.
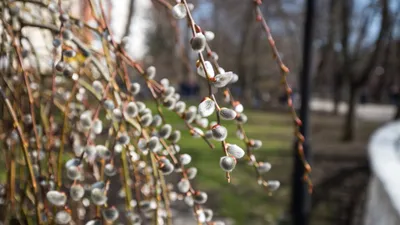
column 357, row 75
column 397, row 115
column 329, row 58
column 245, row 77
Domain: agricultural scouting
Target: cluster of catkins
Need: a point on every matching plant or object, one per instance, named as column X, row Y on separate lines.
column 95, row 154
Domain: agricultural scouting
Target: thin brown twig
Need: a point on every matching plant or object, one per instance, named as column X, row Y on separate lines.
column 284, row 72
column 24, row 144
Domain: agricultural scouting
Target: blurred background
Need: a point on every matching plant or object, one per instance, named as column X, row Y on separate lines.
column 355, row 89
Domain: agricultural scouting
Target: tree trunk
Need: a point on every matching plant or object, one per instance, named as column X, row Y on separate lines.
column 397, row 115
column 337, row 92
column 129, row 18
column 349, row 125
column 336, row 101
column 244, row 81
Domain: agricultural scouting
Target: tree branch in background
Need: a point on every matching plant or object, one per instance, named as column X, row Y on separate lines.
column 356, row 82
column 384, row 32
column 241, row 68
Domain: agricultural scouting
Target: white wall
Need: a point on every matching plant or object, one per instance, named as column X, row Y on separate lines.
column 383, row 202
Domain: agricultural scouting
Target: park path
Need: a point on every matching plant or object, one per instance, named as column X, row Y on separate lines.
column 341, row 170
column 369, row 112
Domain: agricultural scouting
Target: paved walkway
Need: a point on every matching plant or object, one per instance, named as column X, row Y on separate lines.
column 370, row 112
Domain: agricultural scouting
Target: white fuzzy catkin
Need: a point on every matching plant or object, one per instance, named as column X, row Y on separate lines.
column 234, row 79
column 110, row 214
column 239, row 108
column 123, row 139
column 189, row 200
column 208, row 214
column 209, row 70
column 235, row 151
column 164, row 82
column 146, row 120
column 209, row 35
column 98, row 87
column 219, row 132
column 117, row 114
column 227, row 114
column 198, row 42
column 98, row 197
column 175, row 136
column 103, row 152
column 157, row 121
column 110, row 170
column 165, row 131
column 86, row 119
column 200, row 197
column 264, row 167
column 167, row 167
column 73, row 172
column 202, row 122
column 183, row 185
column 191, row 173
column 208, row 134
column 227, row 163
column 273, row 185
column 179, row 11
column 221, row 80
column 62, row 217
column 109, row 104
column 76, row 192
column 72, row 162
column 189, row 116
column 256, row 144
column 94, row 222
column 180, row 107
column 141, row 106
column 135, row 88
column 206, row 107
column 185, row 159
column 151, row 72
column 97, row 126
column 153, row 144
column 56, row 198
column 131, row 110
column 242, row 118
column 197, row 132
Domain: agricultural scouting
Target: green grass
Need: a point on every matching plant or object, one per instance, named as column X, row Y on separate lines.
column 243, row 198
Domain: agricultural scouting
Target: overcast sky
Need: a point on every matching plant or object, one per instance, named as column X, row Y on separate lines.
column 137, row 47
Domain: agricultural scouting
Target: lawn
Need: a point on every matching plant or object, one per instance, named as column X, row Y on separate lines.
column 243, row 200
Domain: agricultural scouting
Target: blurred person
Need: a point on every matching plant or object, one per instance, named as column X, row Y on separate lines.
column 257, row 99
column 189, row 87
